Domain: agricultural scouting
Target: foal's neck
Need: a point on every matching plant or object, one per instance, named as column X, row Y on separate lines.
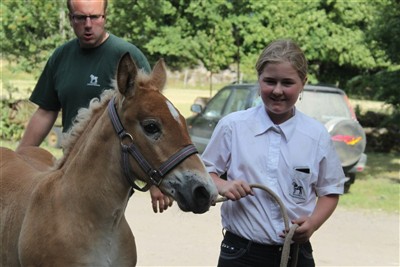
column 93, row 167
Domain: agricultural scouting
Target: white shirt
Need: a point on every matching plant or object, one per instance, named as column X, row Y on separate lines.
column 295, row 159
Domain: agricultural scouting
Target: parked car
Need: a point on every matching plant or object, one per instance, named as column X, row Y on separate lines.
column 328, row 105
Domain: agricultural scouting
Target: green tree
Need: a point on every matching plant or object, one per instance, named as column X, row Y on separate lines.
column 184, row 32
column 332, row 34
column 386, row 31
column 346, row 51
column 30, row 30
column 382, row 83
column 341, row 39
column 212, row 32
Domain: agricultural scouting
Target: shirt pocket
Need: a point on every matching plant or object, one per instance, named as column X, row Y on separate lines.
column 300, row 184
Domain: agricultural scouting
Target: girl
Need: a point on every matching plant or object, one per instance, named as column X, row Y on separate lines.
column 277, row 146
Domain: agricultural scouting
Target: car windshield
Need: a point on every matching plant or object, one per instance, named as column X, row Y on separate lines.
column 323, row 106
column 227, row 101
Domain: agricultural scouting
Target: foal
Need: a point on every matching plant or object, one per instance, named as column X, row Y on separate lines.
column 72, row 213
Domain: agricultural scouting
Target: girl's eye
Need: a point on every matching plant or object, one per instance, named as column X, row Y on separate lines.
column 270, row 82
column 287, row 83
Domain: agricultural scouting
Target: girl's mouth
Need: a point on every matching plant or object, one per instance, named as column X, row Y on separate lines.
column 277, row 99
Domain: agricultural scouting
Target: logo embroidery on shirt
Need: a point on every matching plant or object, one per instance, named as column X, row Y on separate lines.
column 93, row 80
column 298, row 191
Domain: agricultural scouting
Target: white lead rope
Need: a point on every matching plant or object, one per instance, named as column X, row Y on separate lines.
column 289, row 235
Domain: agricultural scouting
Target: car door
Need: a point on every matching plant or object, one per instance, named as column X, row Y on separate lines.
column 227, row 100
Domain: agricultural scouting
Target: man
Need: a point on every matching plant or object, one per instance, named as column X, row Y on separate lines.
column 78, row 71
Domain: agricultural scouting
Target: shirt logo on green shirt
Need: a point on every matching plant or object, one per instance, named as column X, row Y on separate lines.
column 93, row 80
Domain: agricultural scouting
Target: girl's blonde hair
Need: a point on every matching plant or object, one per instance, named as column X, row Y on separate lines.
column 283, row 50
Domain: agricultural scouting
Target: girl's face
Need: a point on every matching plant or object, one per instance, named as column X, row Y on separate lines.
column 280, row 86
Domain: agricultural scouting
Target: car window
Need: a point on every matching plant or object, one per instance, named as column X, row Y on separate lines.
column 215, row 107
column 227, row 101
column 236, row 101
column 323, row 106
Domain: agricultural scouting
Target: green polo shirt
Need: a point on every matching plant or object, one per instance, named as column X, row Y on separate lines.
column 73, row 76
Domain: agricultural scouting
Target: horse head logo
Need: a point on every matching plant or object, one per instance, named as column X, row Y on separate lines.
column 297, row 189
column 93, row 80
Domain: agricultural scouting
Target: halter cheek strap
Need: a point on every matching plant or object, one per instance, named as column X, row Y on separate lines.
column 155, row 175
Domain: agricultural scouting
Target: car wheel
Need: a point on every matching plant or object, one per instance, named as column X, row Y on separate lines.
column 348, row 183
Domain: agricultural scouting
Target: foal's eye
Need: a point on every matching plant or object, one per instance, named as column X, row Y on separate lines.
column 151, row 127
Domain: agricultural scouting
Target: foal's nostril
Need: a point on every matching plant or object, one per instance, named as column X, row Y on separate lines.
column 201, row 195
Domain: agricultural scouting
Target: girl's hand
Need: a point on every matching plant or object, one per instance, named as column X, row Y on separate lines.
column 304, row 232
column 234, row 190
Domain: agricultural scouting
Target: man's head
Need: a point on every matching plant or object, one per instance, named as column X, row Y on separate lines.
column 88, row 19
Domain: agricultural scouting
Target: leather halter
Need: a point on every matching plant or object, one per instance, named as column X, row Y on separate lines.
column 156, row 175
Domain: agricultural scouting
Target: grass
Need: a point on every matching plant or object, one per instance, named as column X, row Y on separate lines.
column 15, row 84
column 378, row 187
column 184, row 98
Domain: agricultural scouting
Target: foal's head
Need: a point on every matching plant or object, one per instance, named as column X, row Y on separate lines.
column 158, row 131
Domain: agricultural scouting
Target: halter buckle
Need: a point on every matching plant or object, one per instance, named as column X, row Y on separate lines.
column 155, row 177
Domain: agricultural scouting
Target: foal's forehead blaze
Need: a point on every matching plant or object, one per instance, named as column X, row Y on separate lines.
column 174, row 112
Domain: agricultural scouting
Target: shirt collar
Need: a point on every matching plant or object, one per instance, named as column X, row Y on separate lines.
column 264, row 124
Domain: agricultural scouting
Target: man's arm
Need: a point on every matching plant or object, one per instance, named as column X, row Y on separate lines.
column 38, row 127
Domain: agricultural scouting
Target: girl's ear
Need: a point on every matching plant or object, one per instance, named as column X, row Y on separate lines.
column 305, row 80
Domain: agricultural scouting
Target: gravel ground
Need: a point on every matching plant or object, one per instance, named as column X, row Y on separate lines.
column 175, row 238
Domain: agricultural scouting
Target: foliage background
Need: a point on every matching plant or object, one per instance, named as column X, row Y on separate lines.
column 350, row 44
column 342, row 39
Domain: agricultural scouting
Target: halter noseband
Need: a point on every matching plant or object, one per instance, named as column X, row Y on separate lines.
column 156, row 175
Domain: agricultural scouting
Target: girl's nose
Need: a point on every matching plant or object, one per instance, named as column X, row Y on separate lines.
column 278, row 90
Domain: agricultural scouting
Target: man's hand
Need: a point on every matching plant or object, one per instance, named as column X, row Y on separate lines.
column 158, row 199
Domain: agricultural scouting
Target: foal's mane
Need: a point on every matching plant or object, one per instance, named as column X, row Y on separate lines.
column 81, row 121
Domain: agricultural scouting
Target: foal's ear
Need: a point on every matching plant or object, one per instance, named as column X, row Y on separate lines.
column 126, row 74
column 159, row 75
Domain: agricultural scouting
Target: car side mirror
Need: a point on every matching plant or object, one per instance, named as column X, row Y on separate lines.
column 196, row 108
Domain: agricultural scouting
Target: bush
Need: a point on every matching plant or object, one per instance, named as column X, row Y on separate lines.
column 382, row 131
column 8, row 129
column 14, row 116
column 381, row 86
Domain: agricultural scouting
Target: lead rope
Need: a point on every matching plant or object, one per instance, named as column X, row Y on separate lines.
column 288, row 238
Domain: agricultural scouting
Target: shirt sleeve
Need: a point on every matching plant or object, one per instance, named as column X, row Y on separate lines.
column 331, row 177
column 216, row 156
column 44, row 93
